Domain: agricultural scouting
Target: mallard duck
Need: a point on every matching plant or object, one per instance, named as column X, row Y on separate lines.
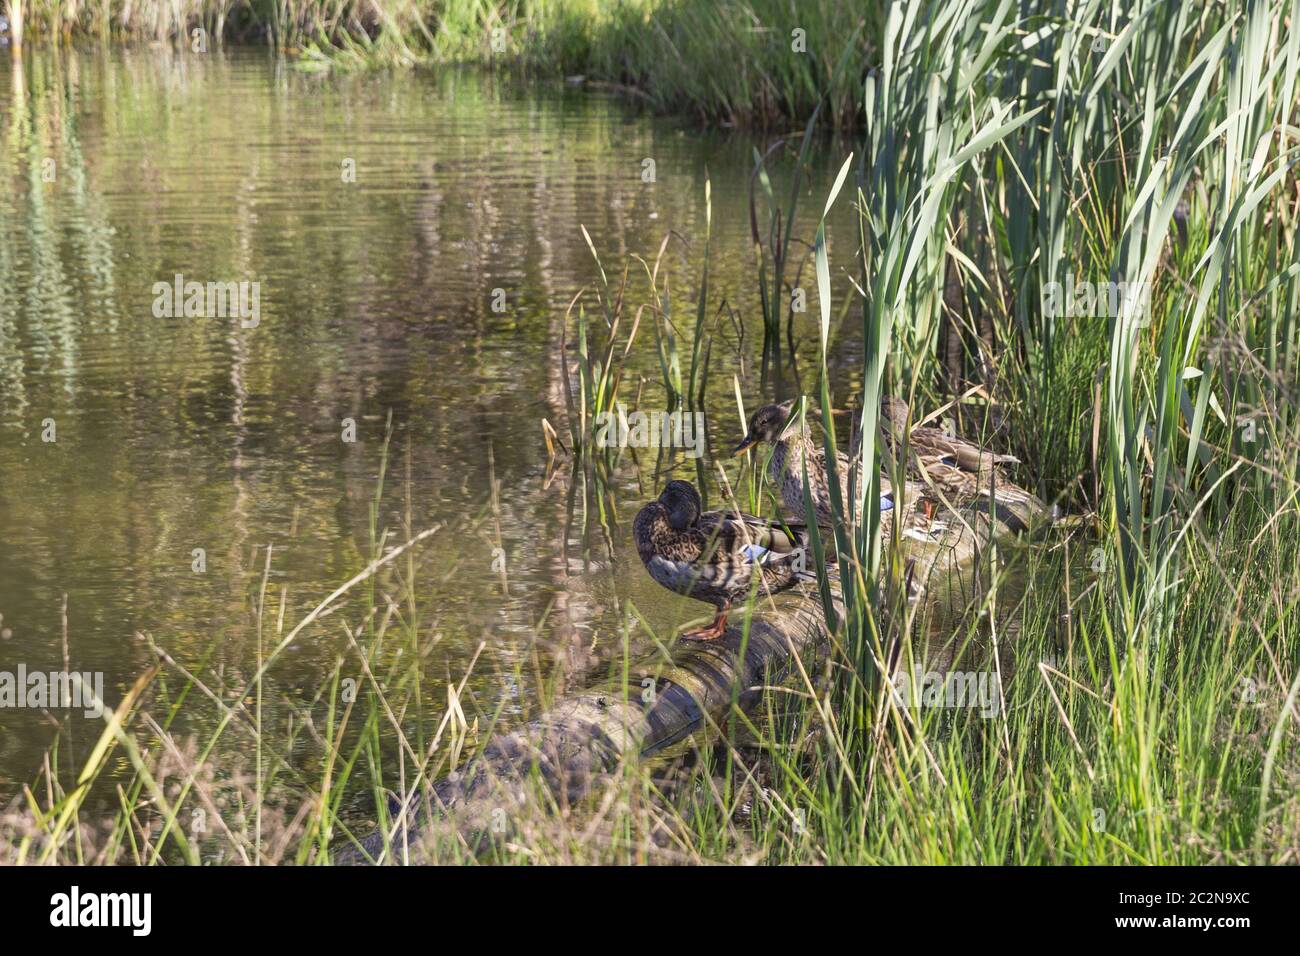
column 714, row 556
column 793, row 448
column 959, row 470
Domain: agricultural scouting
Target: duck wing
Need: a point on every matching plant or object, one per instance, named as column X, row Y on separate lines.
column 734, row 532
column 964, row 454
column 844, row 466
column 960, row 485
column 781, row 549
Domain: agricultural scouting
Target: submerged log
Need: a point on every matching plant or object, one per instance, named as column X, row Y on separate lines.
column 582, row 737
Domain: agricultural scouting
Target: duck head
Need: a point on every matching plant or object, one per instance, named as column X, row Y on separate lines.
column 682, row 503
column 894, row 410
column 768, row 424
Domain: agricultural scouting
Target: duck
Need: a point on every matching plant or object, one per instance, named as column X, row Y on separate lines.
column 715, row 556
column 955, row 470
column 793, row 449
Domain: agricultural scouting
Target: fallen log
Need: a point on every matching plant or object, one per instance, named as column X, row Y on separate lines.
column 582, row 737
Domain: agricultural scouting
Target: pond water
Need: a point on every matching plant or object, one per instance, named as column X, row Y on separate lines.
column 415, row 240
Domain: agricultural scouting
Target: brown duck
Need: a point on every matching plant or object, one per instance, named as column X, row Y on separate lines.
column 716, row 556
column 959, row 470
column 793, row 450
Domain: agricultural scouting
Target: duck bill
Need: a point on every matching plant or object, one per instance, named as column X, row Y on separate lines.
column 746, row 443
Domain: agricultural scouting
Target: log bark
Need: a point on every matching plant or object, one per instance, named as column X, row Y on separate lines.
column 585, row 736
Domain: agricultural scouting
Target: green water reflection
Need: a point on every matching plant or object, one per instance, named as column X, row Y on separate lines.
column 376, row 299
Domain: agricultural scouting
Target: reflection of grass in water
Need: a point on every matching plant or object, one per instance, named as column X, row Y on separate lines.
column 40, row 147
column 664, row 50
column 1150, row 696
column 46, row 293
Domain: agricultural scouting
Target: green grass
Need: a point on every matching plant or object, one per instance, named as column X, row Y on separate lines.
column 1154, row 724
column 1150, row 658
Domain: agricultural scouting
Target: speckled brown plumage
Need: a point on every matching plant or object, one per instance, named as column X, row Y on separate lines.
column 794, row 450
column 716, row 556
column 958, row 470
